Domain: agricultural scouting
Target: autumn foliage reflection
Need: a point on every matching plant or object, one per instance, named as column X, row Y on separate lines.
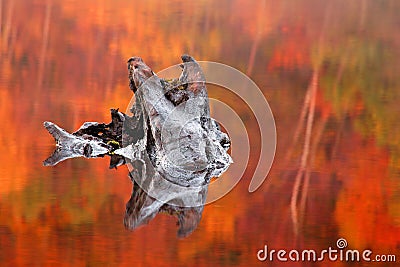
column 66, row 58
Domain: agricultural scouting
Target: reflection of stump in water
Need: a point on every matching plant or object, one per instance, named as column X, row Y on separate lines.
column 142, row 208
column 172, row 143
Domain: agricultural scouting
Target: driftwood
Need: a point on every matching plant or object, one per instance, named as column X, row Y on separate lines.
column 172, row 144
column 91, row 140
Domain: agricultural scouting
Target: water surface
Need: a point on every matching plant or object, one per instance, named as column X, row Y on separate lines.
column 65, row 61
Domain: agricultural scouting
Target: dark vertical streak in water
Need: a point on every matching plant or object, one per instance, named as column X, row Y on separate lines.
column 45, row 42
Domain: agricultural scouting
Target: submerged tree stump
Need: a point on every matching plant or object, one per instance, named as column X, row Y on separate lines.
column 172, row 143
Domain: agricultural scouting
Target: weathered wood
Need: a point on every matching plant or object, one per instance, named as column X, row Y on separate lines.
column 91, row 140
column 171, row 142
column 184, row 144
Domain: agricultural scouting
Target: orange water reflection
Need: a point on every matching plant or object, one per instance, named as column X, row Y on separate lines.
column 64, row 61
